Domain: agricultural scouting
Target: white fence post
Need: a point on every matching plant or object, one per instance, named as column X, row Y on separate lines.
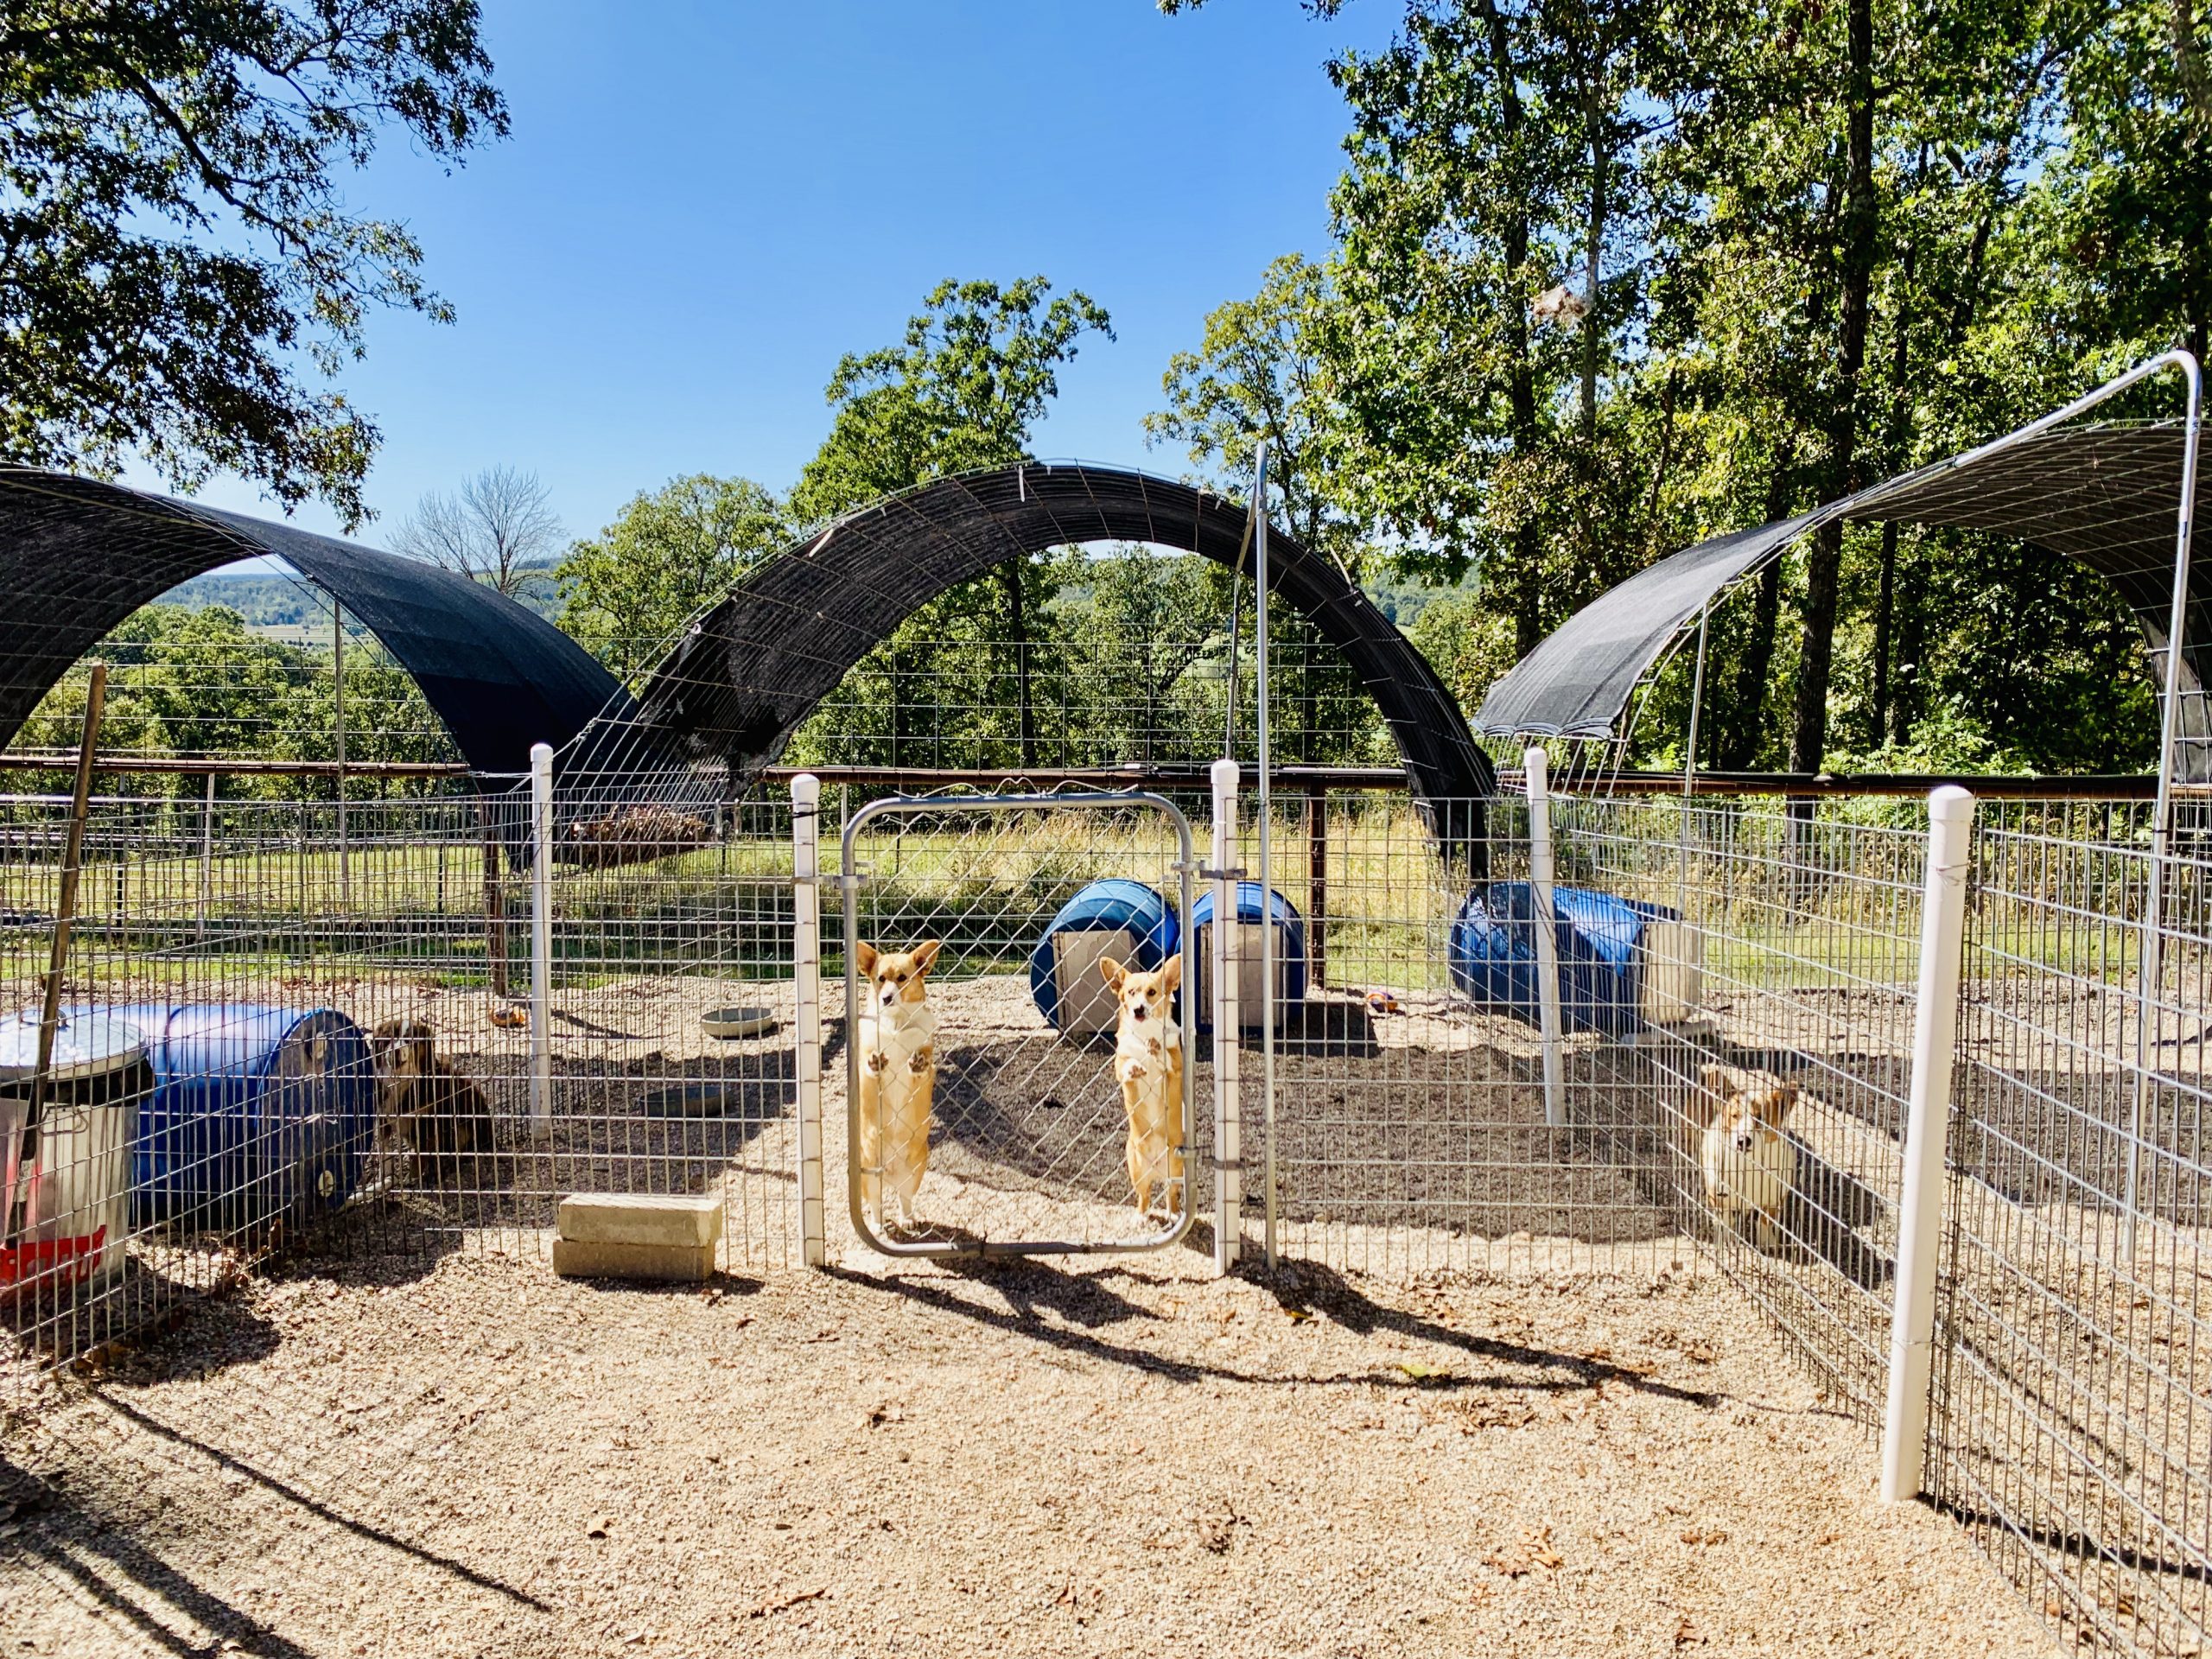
column 541, row 939
column 1536, row 776
column 806, row 974
column 1920, row 1210
column 1228, row 1105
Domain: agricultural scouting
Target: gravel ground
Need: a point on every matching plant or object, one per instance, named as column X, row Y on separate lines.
column 469, row 1457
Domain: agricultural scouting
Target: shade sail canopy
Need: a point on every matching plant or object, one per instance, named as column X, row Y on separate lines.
column 77, row 557
column 2107, row 496
column 750, row 670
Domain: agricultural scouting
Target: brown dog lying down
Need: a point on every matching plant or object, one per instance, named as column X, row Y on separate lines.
column 441, row 1112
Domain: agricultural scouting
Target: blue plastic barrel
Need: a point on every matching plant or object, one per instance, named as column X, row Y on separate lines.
column 1493, row 955
column 1103, row 906
column 257, row 1111
column 1290, row 939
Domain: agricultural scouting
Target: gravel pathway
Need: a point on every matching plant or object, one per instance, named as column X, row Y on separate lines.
column 468, row 1457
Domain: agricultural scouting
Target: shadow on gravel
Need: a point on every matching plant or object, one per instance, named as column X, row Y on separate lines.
column 1087, row 1306
column 50, row 1533
column 320, row 1510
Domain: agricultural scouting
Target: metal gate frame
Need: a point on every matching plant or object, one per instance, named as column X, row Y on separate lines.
column 850, row 881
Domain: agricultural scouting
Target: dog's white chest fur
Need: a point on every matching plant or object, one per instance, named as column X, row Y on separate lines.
column 1758, row 1178
column 1141, row 1051
column 898, row 1033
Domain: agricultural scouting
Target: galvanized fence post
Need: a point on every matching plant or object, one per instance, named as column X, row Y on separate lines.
column 1228, row 1117
column 541, row 938
column 1920, row 1208
column 806, row 974
column 1537, row 778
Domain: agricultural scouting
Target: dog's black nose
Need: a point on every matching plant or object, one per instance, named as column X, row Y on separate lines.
column 1137, row 1012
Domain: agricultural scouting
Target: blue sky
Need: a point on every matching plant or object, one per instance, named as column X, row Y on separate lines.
column 703, row 206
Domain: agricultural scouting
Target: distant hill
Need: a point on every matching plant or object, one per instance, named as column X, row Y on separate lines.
column 287, row 608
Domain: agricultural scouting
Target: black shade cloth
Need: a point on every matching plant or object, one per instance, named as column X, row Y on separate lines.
column 78, row 556
column 2107, row 496
column 751, row 669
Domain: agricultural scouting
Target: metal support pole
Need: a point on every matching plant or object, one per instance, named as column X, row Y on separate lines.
column 2152, row 968
column 1920, row 1210
column 1228, row 1106
column 57, row 961
column 1316, row 887
column 541, row 938
column 806, row 974
column 1272, row 1010
column 1690, row 769
column 338, row 707
column 1535, row 770
column 206, row 857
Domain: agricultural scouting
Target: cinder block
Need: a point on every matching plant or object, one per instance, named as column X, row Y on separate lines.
column 640, row 1218
column 686, row 1263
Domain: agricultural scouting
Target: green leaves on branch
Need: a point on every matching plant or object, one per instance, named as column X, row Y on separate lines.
column 176, row 248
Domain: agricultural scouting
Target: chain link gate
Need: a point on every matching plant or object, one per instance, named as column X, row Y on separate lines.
column 986, row 1107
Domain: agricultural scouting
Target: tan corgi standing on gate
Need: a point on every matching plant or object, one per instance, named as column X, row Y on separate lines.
column 1149, row 1062
column 897, row 1047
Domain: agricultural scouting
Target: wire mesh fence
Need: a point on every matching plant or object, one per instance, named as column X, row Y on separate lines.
column 283, row 1018
column 2072, row 1420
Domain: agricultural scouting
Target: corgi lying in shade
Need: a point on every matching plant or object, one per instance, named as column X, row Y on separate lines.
column 897, row 1047
column 1750, row 1165
column 1148, row 1063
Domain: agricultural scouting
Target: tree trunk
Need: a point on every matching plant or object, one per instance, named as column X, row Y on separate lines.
column 1521, row 376
column 1748, row 711
column 1592, row 329
column 1884, row 612
column 1824, row 561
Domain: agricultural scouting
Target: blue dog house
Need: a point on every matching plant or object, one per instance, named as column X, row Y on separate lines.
column 1126, row 921
column 1606, row 959
column 1252, row 913
column 257, row 1111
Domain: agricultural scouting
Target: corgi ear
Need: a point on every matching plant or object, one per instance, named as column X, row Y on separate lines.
column 1171, row 977
column 867, row 958
column 1718, row 1087
column 1775, row 1104
column 926, row 953
column 1112, row 972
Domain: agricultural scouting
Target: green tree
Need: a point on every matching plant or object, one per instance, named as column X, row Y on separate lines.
column 978, row 366
column 175, row 244
column 1258, row 374
column 668, row 556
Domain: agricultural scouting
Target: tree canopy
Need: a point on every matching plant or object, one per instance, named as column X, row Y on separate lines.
column 180, row 270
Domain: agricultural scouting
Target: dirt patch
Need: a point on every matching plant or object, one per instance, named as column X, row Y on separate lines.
column 469, row 1457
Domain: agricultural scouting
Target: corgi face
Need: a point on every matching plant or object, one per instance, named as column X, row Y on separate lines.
column 400, row 1050
column 897, row 977
column 1145, row 998
column 1751, row 1107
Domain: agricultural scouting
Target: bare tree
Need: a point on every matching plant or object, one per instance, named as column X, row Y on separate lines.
column 490, row 531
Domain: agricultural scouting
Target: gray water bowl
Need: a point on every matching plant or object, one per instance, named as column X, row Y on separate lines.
column 737, row 1022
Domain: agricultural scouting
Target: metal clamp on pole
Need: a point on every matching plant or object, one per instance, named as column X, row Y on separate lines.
column 1920, row 1209
column 806, row 974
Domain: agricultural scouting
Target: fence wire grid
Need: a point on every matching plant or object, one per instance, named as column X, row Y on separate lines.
column 355, row 996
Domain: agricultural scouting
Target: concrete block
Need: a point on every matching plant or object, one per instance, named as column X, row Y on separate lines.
column 684, row 1263
column 670, row 1219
